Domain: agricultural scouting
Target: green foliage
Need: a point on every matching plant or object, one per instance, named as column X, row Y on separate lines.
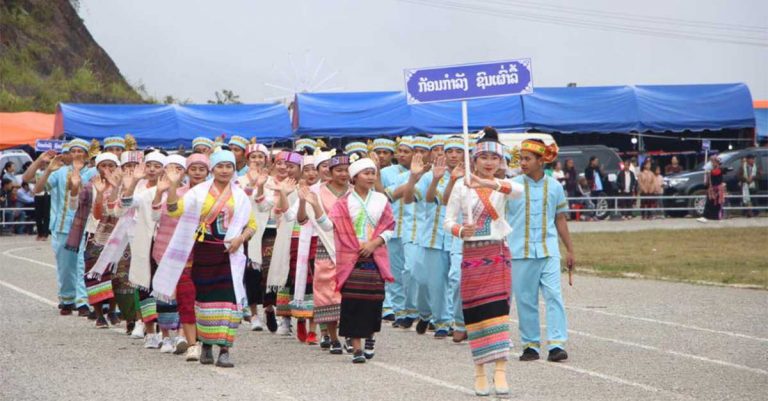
column 225, row 97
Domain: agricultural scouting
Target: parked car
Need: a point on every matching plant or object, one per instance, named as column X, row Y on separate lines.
column 691, row 183
column 15, row 156
column 609, row 160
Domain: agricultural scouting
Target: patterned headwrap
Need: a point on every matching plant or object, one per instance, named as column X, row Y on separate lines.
column 289, row 157
column 79, row 143
column 454, row 142
column 198, row 158
column 201, row 140
column 257, row 147
column 114, row 141
column 339, row 160
column 406, row 141
column 356, row 147
column 489, row 147
column 321, row 157
column 548, row 153
column 238, row 141
column 436, row 141
column 131, row 156
column 422, row 142
column 384, row 144
column 302, row 143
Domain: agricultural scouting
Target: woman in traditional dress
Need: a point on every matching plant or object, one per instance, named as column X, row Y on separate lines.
column 362, row 223
column 215, row 221
column 485, row 268
column 94, row 203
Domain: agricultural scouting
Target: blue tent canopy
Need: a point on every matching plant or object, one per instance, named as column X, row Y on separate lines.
column 173, row 125
column 568, row 110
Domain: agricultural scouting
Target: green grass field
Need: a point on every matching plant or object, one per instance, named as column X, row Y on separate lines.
column 724, row 256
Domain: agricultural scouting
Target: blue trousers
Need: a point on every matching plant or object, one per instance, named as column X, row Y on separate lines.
column 436, row 265
column 414, row 256
column 394, row 293
column 528, row 277
column 454, row 292
column 70, row 269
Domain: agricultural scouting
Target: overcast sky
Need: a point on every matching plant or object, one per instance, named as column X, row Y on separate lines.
column 189, row 49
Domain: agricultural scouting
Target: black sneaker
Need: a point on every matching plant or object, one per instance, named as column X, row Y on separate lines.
column 348, row 345
column 390, row 317
column 529, row 354
column 358, row 357
column 369, row 352
column 336, row 348
column 206, row 356
column 431, row 327
column 129, row 327
column 398, row 323
column 421, row 326
column 271, row 321
column 407, row 323
column 557, row 354
column 441, row 334
column 325, row 344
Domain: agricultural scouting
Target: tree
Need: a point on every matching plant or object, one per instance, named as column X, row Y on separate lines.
column 226, row 97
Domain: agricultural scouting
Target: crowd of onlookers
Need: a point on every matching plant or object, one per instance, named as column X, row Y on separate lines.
column 17, row 194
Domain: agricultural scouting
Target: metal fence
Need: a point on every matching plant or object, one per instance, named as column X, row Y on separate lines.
column 5, row 212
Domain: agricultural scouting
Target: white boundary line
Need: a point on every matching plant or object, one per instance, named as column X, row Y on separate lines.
column 424, row 378
column 668, row 323
column 29, row 294
column 9, row 254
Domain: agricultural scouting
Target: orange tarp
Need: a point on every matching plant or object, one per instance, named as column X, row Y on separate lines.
column 24, row 128
column 760, row 104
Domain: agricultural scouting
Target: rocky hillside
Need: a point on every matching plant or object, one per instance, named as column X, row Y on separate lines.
column 48, row 56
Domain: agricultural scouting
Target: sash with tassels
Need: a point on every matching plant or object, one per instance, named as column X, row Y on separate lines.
column 115, row 246
column 280, row 265
column 183, row 240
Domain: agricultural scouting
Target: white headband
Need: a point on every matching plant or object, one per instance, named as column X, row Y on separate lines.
column 155, row 157
column 360, row 165
column 176, row 159
column 107, row 156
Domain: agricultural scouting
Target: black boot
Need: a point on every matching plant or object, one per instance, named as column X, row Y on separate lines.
column 557, row 354
column 223, row 360
column 529, row 354
column 206, row 356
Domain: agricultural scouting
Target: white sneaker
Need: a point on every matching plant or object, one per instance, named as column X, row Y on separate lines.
column 152, row 341
column 193, row 353
column 167, row 346
column 256, row 324
column 138, row 330
column 285, row 327
column 702, row 219
column 180, row 345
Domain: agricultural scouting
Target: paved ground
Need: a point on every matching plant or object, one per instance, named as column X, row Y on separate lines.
column 630, row 340
column 637, row 224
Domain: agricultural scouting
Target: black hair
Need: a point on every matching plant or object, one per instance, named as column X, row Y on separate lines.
column 6, row 165
column 489, row 135
column 151, row 149
column 26, row 165
column 592, row 158
column 749, row 156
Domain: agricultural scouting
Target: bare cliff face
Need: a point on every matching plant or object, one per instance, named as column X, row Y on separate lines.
column 48, row 56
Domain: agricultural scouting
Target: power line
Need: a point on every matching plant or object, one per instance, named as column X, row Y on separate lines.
column 635, row 17
column 663, row 33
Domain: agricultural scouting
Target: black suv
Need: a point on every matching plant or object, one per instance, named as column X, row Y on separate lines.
column 692, row 182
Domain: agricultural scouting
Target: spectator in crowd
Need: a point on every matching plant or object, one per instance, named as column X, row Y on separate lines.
column 24, row 199
column 594, row 175
column 571, row 178
column 626, row 182
column 658, row 189
column 42, row 198
column 634, row 166
column 558, row 173
column 749, row 173
column 646, row 183
column 673, row 167
column 6, row 201
column 8, row 171
column 584, row 191
column 713, row 179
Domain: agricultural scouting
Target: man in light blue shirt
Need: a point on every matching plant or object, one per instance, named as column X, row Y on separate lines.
column 70, row 266
column 537, row 219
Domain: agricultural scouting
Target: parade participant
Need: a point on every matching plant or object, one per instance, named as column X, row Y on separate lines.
column 385, row 150
column 197, row 169
column 326, row 298
column 713, row 179
column 114, row 145
column 95, row 202
column 167, row 310
column 395, row 307
column 281, row 272
column 305, row 146
column 538, row 218
column 258, row 160
column 485, row 271
column 238, row 145
column 362, row 222
column 749, row 176
column 436, row 244
column 70, row 266
column 202, row 145
column 139, row 190
column 215, row 220
column 323, row 162
column 356, row 147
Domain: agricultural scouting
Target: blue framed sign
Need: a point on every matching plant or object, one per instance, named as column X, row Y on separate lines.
column 468, row 81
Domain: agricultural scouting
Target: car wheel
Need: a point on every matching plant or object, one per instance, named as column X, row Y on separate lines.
column 697, row 204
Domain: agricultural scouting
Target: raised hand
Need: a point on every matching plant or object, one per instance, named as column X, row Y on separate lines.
column 287, row 186
column 417, row 165
column 458, row 171
column 173, row 176
column 55, row 163
column 439, row 168
column 253, row 175
column 138, row 172
column 114, row 178
column 375, row 158
column 78, row 164
column 99, row 184
column 47, row 156
column 163, row 183
column 308, row 196
column 74, row 179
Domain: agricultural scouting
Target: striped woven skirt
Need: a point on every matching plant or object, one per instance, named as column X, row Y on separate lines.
column 125, row 294
column 99, row 290
column 218, row 315
column 486, row 282
column 327, row 299
column 361, row 301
